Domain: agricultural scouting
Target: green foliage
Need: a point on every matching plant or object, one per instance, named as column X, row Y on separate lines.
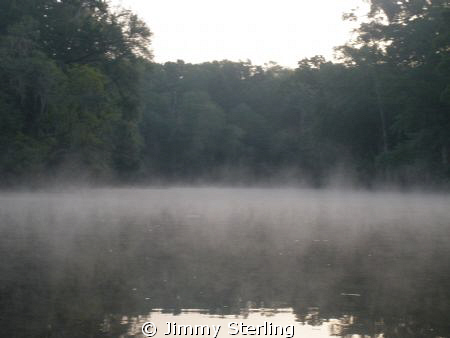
column 70, row 90
column 81, row 95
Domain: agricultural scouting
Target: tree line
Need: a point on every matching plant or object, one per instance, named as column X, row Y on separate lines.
column 81, row 98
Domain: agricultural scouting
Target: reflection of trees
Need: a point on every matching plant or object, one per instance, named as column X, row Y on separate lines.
column 97, row 273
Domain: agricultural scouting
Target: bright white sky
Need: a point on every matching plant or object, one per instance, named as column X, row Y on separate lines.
column 284, row 31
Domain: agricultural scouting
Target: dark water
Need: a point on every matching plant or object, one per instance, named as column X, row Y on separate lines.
column 99, row 263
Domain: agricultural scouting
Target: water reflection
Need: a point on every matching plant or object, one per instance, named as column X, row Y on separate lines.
column 98, row 263
column 251, row 322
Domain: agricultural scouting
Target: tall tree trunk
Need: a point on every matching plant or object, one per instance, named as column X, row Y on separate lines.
column 381, row 111
column 444, row 152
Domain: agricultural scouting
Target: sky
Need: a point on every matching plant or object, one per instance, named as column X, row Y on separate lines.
column 283, row 31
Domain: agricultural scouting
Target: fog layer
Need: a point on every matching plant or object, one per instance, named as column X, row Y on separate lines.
column 70, row 260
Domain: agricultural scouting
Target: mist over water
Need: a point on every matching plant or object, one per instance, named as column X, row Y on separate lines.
column 98, row 262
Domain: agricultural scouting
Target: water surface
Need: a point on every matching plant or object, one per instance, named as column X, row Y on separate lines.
column 100, row 263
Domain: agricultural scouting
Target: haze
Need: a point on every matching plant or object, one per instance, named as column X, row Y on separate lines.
column 102, row 262
column 252, row 192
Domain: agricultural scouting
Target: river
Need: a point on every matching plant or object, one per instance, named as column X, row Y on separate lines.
column 102, row 262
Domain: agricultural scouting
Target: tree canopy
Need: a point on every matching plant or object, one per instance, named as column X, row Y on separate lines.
column 82, row 98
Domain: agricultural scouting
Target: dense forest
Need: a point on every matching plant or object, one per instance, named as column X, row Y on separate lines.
column 82, row 99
